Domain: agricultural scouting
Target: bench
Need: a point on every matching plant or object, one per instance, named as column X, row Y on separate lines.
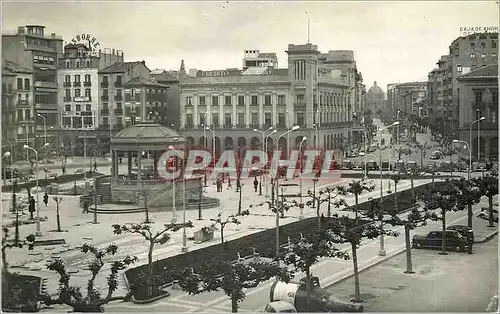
column 49, row 242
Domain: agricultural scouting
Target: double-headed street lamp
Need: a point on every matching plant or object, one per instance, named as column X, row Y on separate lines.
column 7, row 155
column 478, row 137
column 38, row 231
column 470, row 156
column 213, row 143
column 267, row 174
column 301, row 205
column 294, row 128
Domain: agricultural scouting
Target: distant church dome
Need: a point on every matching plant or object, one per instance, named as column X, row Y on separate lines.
column 375, row 92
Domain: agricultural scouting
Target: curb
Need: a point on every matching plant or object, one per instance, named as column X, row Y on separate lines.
column 333, row 281
column 488, row 237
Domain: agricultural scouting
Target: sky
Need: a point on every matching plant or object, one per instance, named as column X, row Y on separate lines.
column 392, row 41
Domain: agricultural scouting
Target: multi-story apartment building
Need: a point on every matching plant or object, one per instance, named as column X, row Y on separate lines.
column 466, row 54
column 478, row 97
column 18, row 120
column 254, row 58
column 375, row 98
column 317, row 92
column 399, row 97
column 79, row 93
column 31, row 48
column 145, row 99
column 172, row 81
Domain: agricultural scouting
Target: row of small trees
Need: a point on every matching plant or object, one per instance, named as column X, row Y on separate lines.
column 301, row 255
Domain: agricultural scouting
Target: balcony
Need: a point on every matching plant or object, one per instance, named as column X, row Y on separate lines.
column 8, row 91
column 299, row 105
column 105, row 111
column 105, row 98
column 40, row 106
column 82, row 99
column 67, row 84
column 119, row 111
column 254, row 105
column 118, row 84
column 44, row 84
column 281, row 104
column 104, row 84
column 77, row 84
column 118, row 97
column 87, row 84
column 67, row 99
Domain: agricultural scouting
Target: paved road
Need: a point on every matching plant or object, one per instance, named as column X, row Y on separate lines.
column 456, row 282
column 326, row 270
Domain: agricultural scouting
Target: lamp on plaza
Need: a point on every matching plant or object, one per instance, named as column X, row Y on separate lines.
column 266, row 177
column 38, row 231
column 470, row 156
column 184, row 235
column 478, row 137
column 382, row 251
column 213, row 143
column 293, row 129
column 174, row 213
column 45, row 139
column 301, row 205
column 264, row 147
column 7, row 155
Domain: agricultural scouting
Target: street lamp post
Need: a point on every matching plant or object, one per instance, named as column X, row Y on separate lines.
column 174, row 209
column 45, row 139
column 38, row 231
column 391, row 151
column 7, row 155
column 294, row 128
column 84, row 152
column 470, row 156
column 478, row 137
column 301, row 205
column 264, row 147
column 213, row 143
column 184, row 235
column 265, row 140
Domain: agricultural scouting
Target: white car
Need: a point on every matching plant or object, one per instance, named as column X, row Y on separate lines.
column 485, row 214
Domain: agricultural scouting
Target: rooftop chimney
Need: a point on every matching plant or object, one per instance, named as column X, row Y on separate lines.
column 53, row 35
column 113, row 52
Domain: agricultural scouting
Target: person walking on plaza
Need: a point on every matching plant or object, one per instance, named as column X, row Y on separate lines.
column 46, row 199
column 63, row 170
column 219, row 185
column 95, row 166
column 229, row 186
column 85, row 207
column 31, row 207
column 255, row 184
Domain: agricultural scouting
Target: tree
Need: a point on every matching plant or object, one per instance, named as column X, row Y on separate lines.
column 470, row 195
column 445, row 199
column 160, row 237
column 488, row 186
column 58, row 201
column 355, row 188
column 9, row 244
column 231, row 219
column 396, row 178
column 413, row 173
column 323, row 196
column 230, row 277
column 307, row 251
column 93, row 301
column 352, row 230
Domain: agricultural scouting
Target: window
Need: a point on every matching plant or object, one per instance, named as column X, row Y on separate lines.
column 241, row 119
column 67, row 107
column 494, row 96
column 227, row 119
column 67, row 78
column 483, row 45
column 227, row 100
column 267, row 100
column 105, row 79
column 87, row 77
column 473, row 55
column 215, row 100
column 254, row 100
column 68, row 93
column 281, row 119
column 88, row 63
column 483, row 55
column 493, row 44
column 119, row 79
column 281, row 99
column 255, row 119
column 88, row 107
column 241, row 100
column 472, row 46
column 77, row 63
column 268, row 119
column 459, row 68
column 78, row 107
column 478, row 95
column 202, row 118
column 77, row 78
column 215, row 120
column 300, row 99
column 189, row 101
column 300, row 118
column 26, row 83
column 20, row 83
column 78, row 92
column 66, row 121
column 105, row 92
column 189, row 120
column 67, row 63
column 27, row 98
column 87, row 92
column 202, row 100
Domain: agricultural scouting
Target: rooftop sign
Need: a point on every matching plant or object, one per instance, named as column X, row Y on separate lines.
column 213, row 73
column 88, row 41
column 469, row 30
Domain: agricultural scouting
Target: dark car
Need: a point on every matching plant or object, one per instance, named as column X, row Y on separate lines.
column 465, row 231
column 385, row 165
column 434, row 239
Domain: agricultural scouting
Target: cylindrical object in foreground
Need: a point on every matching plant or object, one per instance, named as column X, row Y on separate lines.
column 321, row 300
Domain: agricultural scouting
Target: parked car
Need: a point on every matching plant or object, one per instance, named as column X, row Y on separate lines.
column 358, row 166
column 353, row 154
column 465, row 231
column 435, row 155
column 280, row 307
column 411, row 164
column 346, row 165
column 372, row 148
column 485, row 214
column 434, row 239
column 372, row 165
column 385, row 165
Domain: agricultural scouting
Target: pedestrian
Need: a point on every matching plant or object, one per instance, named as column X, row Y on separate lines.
column 229, row 186
column 85, row 206
column 31, row 207
column 255, row 184
column 46, row 198
column 95, row 166
column 218, row 184
column 64, row 170
column 238, row 185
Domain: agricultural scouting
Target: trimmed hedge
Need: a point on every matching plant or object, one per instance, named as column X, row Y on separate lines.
column 20, row 293
column 44, row 182
column 263, row 242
